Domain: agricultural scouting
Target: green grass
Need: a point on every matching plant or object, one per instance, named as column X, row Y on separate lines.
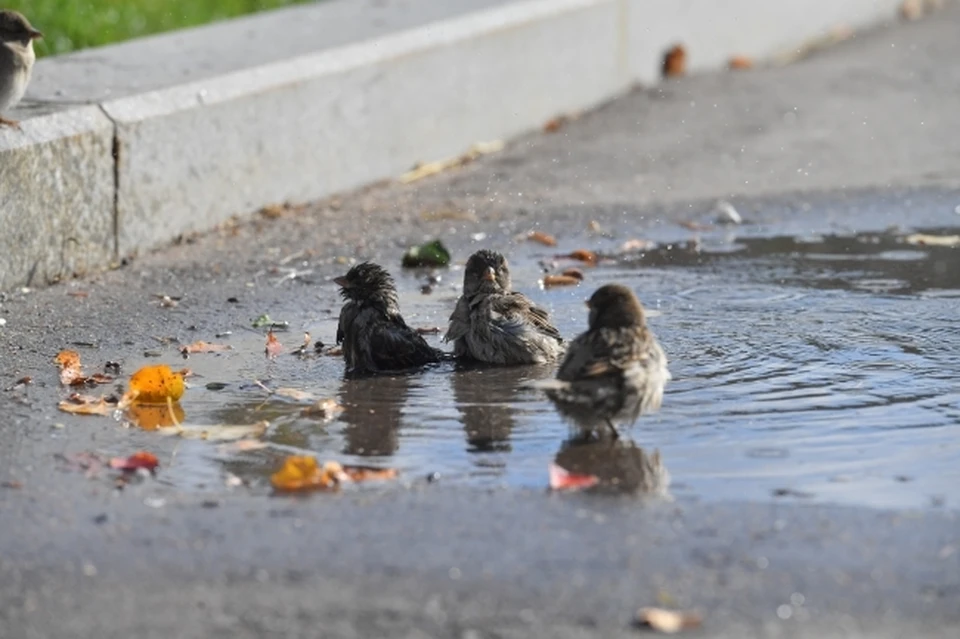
column 69, row 25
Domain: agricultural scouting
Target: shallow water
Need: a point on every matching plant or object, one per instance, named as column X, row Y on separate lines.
column 820, row 369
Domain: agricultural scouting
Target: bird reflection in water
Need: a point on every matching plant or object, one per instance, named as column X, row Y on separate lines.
column 619, row 465
column 373, row 411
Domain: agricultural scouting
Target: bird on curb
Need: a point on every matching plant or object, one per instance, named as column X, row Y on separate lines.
column 374, row 336
column 495, row 325
column 615, row 371
column 16, row 60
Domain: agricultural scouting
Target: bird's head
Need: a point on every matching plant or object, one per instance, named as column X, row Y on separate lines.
column 14, row 27
column 614, row 306
column 488, row 271
column 368, row 282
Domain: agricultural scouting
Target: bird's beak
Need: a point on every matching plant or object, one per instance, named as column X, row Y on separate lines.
column 490, row 275
column 34, row 34
column 342, row 281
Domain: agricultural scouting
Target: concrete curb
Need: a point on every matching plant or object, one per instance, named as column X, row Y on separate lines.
column 141, row 155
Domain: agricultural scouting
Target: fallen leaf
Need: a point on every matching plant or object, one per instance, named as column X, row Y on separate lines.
column 79, row 294
column 154, row 416
column 302, row 472
column 581, row 255
column 447, row 213
column 264, row 320
column 140, row 459
column 430, row 254
column 12, row 483
column 573, row 272
column 637, row 245
column 542, row 238
column 204, row 347
column 272, row 211
column 86, row 405
column 273, row 346
column 368, row 473
column 293, row 393
column 23, row 381
column 740, row 62
column 554, row 124
column 168, row 302
column 668, row 621
column 325, row 409
column 922, row 239
column 427, row 169
column 97, row 378
column 242, row 446
column 695, row 226
column 216, row 432
column 335, row 351
column 71, row 371
column 154, row 384
column 429, row 330
column 675, row 62
column 562, row 479
column 552, row 281
column 302, row 350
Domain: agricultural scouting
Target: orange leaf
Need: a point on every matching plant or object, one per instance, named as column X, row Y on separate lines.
column 550, row 281
column 582, row 255
column 740, row 62
column 301, row 472
column 71, row 372
column 675, row 62
column 367, row 473
column 204, row 347
column 562, row 479
column 273, row 346
column 140, row 459
column 86, row 405
column 543, row 238
column 154, row 384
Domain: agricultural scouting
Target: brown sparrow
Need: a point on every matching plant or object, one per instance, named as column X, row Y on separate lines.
column 616, row 370
column 16, row 60
column 375, row 338
column 495, row 325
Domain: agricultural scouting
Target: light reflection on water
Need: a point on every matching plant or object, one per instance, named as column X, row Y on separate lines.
column 821, row 369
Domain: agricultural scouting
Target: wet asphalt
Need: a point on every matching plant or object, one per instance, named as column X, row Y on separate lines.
column 859, row 137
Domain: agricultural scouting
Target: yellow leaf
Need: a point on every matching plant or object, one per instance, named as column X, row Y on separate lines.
column 301, row 472
column 154, row 384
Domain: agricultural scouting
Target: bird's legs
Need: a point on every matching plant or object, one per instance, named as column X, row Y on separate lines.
column 613, row 430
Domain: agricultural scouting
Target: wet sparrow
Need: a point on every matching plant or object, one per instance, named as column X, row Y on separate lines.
column 375, row 338
column 616, row 370
column 494, row 325
column 16, row 60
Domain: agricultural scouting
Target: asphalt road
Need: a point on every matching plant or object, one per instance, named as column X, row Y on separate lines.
column 863, row 134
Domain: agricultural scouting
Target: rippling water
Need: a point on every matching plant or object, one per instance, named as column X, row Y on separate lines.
column 815, row 369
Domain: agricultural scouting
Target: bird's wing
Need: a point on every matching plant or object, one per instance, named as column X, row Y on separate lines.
column 459, row 321
column 602, row 352
column 396, row 346
column 517, row 311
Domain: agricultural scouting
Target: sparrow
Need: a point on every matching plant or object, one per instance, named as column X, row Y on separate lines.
column 374, row 336
column 16, row 60
column 492, row 324
column 613, row 372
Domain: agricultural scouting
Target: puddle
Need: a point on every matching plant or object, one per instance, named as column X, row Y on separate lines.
column 813, row 369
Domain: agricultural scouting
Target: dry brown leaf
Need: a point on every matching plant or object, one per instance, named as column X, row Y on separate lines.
column 581, row 255
column 429, row 330
column 637, row 245
column 668, row 621
column 554, row 124
column 675, row 62
column 922, row 239
column 368, row 473
column 86, row 405
column 740, row 62
column 325, row 409
column 293, row 393
column 217, row 432
column 204, row 347
column 336, row 351
column 273, row 346
column 543, row 238
column 551, row 281
column 272, row 211
column 71, row 371
column 573, row 272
